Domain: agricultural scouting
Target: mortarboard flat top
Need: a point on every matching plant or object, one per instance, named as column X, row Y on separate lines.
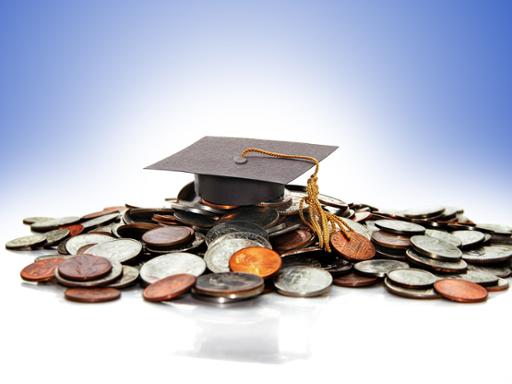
column 220, row 179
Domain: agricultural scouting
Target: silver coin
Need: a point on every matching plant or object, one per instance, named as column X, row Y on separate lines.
column 51, row 224
column 379, row 267
column 31, row 220
column 172, row 264
column 77, row 242
column 32, row 241
column 302, row 281
column 281, row 203
column 359, row 228
column 276, row 228
column 217, row 256
column 435, row 248
column 56, row 236
column 469, row 238
column 52, row 256
column 441, row 235
column 195, row 220
column 242, row 235
column 121, row 250
column 233, row 298
column 192, row 208
column 411, row 293
column 436, row 265
column 129, row 277
column 229, row 284
column 101, row 220
column 500, row 271
column 264, row 217
column 400, row 227
column 423, row 213
column 115, row 273
column 294, row 207
column 479, row 277
column 489, row 254
column 495, row 229
column 389, row 253
column 236, row 226
column 502, row 284
column 412, row 278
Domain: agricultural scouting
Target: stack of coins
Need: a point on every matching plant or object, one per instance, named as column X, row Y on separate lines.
column 223, row 254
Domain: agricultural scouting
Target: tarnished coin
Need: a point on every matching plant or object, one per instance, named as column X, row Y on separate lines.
column 129, row 277
column 217, row 256
column 169, row 287
column 281, row 203
column 259, row 261
column 32, row 241
column 51, row 224
column 489, row 254
column 390, row 240
column 133, row 230
column 495, row 229
column 435, row 248
column 172, row 264
column 195, row 208
column 299, row 238
column 165, row 237
column 411, row 293
column 77, row 242
column 222, row 229
column 193, row 245
column 353, row 280
column 302, row 281
column 104, row 212
column 121, row 250
column 412, row 278
column 92, row 295
column 115, row 273
column 195, row 220
column 100, row 221
column 479, row 277
column 42, row 270
column 229, row 284
column 400, row 227
column 242, row 235
column 441, row 235
column 56, row 236
column 356, row 248
column 460, row 291
column 469, row 238
column 263, row 216
column 33, row 219
column 85, row 268
column 389, row 253
column 436, row 265
column 423, row 213
column 501, row 285
column 379, row 267
column 502, row 271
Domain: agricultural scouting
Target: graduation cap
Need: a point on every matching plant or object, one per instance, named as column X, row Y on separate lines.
column 224, row 174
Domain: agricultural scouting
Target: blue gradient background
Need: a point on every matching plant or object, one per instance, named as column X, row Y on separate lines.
column 417, row 94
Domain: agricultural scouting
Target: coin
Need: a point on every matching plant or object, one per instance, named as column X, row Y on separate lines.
column 121, row 250
column 294, row 207
column 259, row 261
column 77, row 242
column 460, row 291
column 379, row 267
column 359, row 228
column 51, row 224
column 134, row 230
column 195, row 220
column 353, row 280
column 469, row 238
column 299, row 238
column 479, row 277
column 400, row 227
column 502, row 271
column 169, row 287
column 85, row 268
column 489, row 254
column 390, row 240
column 495, row 229
column 436, row 265
column 167, row 237
column 281, row 203
column 42, row 270
column 234, row 298
column 389, row 253
column 302, row 281
column 356, row 248
column 411, row 293
column 104, row 212
column 56, row 236
column 100, row 221
column 217, row 256
column 232, row 227
column 129, row 277
column 412, row 278
column 115, row 273
column 423, row 213
column 263, row 216
column 33, row 219
column 441, row 235
column 74, row 229
column 172, row 264
column 92, row 295
column 229, row 284
column 501, row 285
column 435, row 248
column 334, row 264
column 32, row 241
column 195, row 208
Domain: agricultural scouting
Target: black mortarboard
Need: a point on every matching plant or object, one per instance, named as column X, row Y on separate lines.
column 222, row 177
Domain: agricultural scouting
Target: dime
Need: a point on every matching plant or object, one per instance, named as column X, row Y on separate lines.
column 353, row 280
column 232, row 227
column 169, row 287
column 115, row 273
column 121, row 250
column 56, row 236
column 42, row 270
column 129, row 277
column 100, row 221
column 85, row 268
column 435, row 248
column 34, row 219
column 51, row 224
column 259, row 261
column 92, row 295
column 390, row 240
column 166, row 237
column 264, row 217
column 489, row 254
column 400, row 227
column 423, row 213
column 77, row 242
column 299, row 238
column 441, row 235
column 356, row 248
column 302, row 281
column 495, row 229
column 501, row 285
column 229, row 284
column 436, row 265
column 412, row 278
column 469, row 238
column 460, row 291
column 217, row 256
column 172, row 264
column 32, row 241
column 479, row 277
column 378, row 267
column 417, row 293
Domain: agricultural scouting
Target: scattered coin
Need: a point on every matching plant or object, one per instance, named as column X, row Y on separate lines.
column 217, row 256
column 25, row 242
column 100, row 221
column 222, row 229
column 495, row 229
column 436, row 265
column 299, row 238
column 122, row 250
column 129, row 277
column 411, row 293
column 441, row 235
column 41, row 270
column 229, row 285
column 469, row 238
column 259, row 261
column 115, row 273
column 400, row 227
column 164, row 237
column 390, row 240
column 195, row 220
column 423, row 213
column 502, row 271
column 302, row 281
column 460, row 291
column 378, row 268
column 169, row 287
column 34, row 219
column 412, row 278
column 501, row 285
column 356, row 248
column 479, row 277
column 435, row 248
column 262, row 216
column 172, row 264
column 134, row 230
column 77, row 242
column 56, row 236
column 489, row 254
column 353, row 280
column 92, row 295
column 51, row 224
column 84, row 268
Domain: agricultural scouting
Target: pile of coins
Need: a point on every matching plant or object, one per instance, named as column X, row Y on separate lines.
column 224, row 254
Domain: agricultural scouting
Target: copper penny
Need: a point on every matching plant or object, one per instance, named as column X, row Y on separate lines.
column 169, row 287
column 75, row 229
column 42, row 270
column 357, row 248
column 85, row 268
column 353, row 280
column 135, row 230
column 501, row 285
column 390, row 240
column 260, row 261
column 92, row 295
column 104, row 212
column 461, row 291
column 218, row 206
column 168, row 236
column 299, row 238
